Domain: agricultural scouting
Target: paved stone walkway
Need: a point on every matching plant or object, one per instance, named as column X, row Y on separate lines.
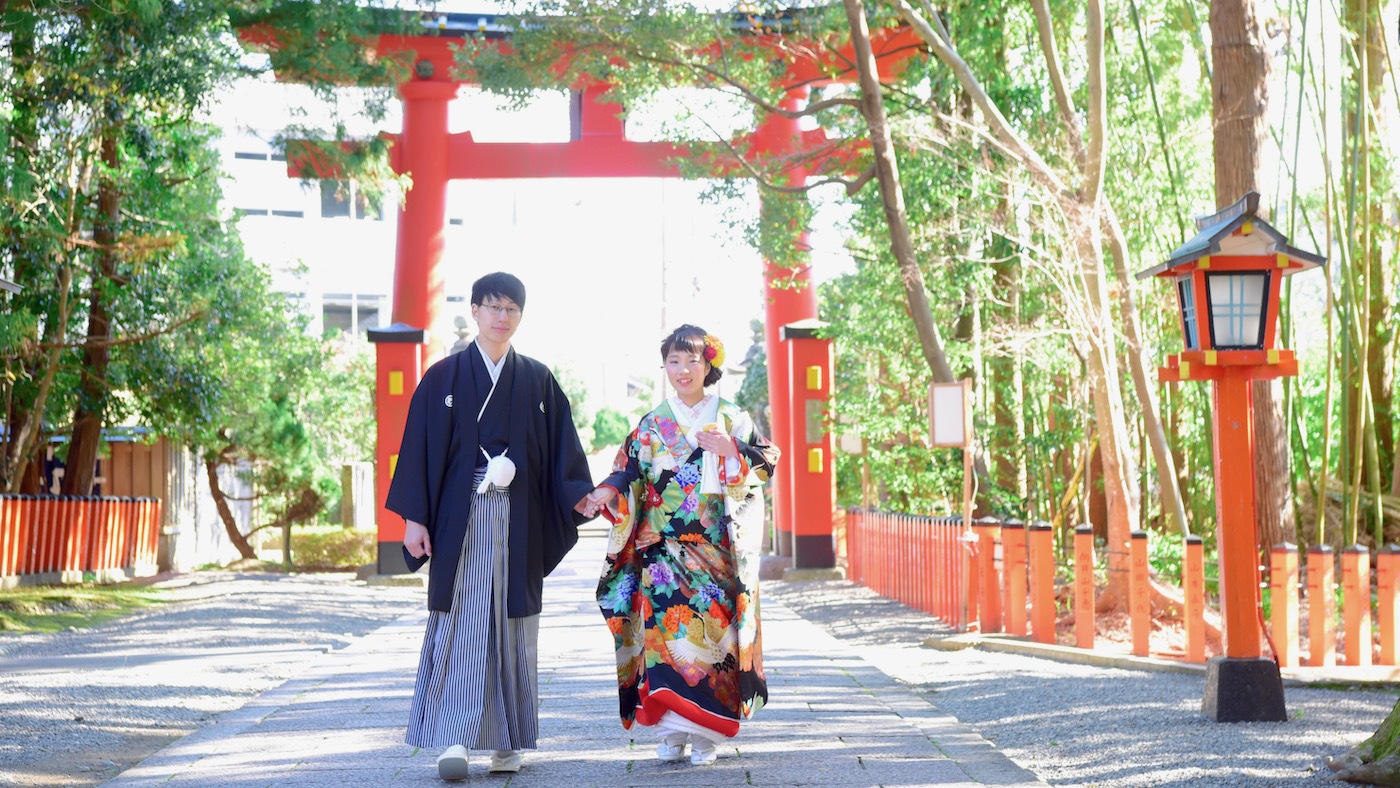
column 833, row 718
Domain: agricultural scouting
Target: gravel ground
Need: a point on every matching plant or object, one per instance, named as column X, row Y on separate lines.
column 79, row 706
column 1081, row 725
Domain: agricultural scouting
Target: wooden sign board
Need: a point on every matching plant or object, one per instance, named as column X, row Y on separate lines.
column 950, row 414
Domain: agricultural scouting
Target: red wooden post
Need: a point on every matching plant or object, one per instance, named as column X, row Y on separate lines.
column 43, row 535
column 1084, row 628
column 973, row 567
column 1322, row 629
column 789, row 297
column 1139, row 594
column 852, row 547
column 25, row 518
column 1013, row 546
column 423, row 152
column 1283, row 586
column 1194, row 581
column 1356, row 604
column 1234, row 506
column 810, row 361
column 398, row 365
column 1387, row 575
column 988, row 584
column 9, row 540
column 1042, row 560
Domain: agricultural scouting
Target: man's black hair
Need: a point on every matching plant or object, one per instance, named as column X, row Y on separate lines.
column 499, row 285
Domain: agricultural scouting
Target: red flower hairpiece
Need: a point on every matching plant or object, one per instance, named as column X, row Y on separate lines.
column 714, row 351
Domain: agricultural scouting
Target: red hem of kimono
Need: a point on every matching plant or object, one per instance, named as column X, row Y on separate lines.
column 652, row 705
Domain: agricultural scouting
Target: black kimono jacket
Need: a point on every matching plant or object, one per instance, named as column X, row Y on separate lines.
column 432, row 482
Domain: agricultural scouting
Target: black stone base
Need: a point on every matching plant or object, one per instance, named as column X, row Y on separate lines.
column 1243, row 690
column 814, row 552
column 391, row 560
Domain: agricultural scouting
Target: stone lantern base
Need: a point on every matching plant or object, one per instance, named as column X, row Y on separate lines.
column 1243, row 690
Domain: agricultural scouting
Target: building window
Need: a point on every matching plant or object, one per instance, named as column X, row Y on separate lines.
column 253, row 156
column 339, row 197
column 241, row 212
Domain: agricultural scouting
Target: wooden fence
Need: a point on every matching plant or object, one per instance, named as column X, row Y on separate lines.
column 70, row 539
column 1000, row 577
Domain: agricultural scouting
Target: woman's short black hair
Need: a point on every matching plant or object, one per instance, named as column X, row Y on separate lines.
column 499, row 285
column 690, row 339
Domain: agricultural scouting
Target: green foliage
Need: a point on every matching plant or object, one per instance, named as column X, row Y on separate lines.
column 576, row 391
column 321, row 549
column 752, row 395
column 610, row 429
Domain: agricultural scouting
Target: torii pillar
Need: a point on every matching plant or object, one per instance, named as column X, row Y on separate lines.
column 790, row 298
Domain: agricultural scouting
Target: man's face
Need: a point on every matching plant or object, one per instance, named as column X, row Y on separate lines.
column 497, row 318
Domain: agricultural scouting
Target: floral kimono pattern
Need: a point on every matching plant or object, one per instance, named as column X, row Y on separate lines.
column 679, row 589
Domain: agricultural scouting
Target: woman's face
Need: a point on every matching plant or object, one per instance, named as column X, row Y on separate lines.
column 686, row 372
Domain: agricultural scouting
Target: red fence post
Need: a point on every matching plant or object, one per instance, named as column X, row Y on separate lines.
column 1084, row 627
column 1283, row 596
column 1193, row 580
column 989, row 600
column 1387, row 574
column 1356, row 604
column 1322, row 630
column 28, row 535
column 1139, row 594
column 1042, row 560
column 9, row 537
column 1013, row 547
column 44, row 537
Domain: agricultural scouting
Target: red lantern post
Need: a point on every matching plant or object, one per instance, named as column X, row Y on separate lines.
column 1227, row 282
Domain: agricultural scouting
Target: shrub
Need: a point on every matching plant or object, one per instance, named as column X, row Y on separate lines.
column 324, row 549
column 610, row 428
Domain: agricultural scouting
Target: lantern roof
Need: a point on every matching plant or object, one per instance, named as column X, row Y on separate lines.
column 1237, row 230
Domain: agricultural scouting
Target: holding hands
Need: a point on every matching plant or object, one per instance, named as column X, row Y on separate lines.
column 594, row 502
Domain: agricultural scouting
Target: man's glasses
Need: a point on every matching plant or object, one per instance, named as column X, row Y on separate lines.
column 511, row 312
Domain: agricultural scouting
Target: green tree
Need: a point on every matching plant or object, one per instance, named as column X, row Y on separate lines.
column 110, row 201
column 610, row 429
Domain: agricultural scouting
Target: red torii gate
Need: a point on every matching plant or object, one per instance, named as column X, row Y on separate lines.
column 804, row 489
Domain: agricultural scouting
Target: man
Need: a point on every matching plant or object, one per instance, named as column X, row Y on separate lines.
column 491, row 479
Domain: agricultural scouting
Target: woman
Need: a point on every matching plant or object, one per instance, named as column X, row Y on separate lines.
column 680, row 587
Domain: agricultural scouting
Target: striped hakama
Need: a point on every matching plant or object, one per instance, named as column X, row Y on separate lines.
column 476, row 681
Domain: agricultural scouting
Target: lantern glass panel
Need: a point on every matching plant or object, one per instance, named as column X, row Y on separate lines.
column 1237, row 304
column 1189, row 332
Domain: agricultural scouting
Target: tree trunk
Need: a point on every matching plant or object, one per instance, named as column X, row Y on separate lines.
column 1103, row 377
column 211, row 469
column 1239, row 105
column 1375, row 761
column 892, row 198
column 88, row 415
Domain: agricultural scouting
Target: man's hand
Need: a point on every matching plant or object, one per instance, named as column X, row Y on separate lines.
column 415, row 538
column 592, row 502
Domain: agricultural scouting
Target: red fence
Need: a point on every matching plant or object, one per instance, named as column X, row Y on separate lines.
column 920, row 561
column 46, row 539
column 1000, row 576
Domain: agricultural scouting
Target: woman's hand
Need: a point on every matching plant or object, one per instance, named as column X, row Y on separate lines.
column 415, row 538
column 596, row 500
column 711, row 439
